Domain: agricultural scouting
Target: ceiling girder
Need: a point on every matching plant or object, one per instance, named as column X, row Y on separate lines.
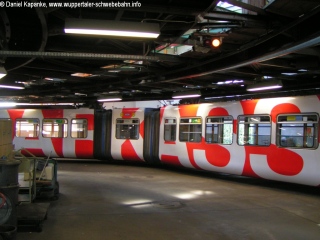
column 280, row 37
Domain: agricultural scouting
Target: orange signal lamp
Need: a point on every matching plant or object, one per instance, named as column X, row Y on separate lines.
column 216, row 42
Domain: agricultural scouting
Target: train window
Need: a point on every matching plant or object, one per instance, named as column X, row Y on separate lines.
column 27, row 127
column 55, row 128
column 190, row 129
column 254, row 130
column 219, row 130
column 79, row 128
column 297, row 130
column 127, row 128
column 170, row 129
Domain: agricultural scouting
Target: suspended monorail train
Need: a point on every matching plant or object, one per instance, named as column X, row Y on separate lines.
column 275, row 138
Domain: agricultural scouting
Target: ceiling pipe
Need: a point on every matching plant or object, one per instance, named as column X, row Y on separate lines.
column 67, row 55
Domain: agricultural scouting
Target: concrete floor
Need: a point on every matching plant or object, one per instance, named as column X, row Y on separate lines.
column 116, row 201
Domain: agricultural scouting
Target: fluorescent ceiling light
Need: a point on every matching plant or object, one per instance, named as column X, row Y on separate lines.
column 55, row 79
column 190, row 94
column 207, row 98
column 12, row 86
column 265, row 85
column 110, row 99
column 80, row 94
column 112, row 28
column 289, row 73
column 7, row 104
column 229, row 82
column 48, row 104
column 3, row 72
column 13, row 104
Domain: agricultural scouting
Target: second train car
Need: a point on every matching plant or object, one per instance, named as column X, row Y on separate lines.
column 275, row 138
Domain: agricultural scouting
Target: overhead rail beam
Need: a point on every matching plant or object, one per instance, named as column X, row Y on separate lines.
column 231, row 16
column 97, row 56
column 281, row 52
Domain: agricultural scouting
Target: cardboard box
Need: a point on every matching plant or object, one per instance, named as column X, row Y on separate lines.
column 6, row 150
column 5, row 132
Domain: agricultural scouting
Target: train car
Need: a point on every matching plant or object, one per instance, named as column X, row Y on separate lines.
column 274, row 138
column 63, row 133
column 85, row 133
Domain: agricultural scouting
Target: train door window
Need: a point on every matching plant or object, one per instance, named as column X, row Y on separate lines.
column 297, row 130
column 55, row 128
column 127, row 128
column 219, row 130
column 170, row 129
column 190, row 129
column 254, row 130
column 79, row 128
column 27, row 127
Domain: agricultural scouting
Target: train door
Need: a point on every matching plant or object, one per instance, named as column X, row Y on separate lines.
column 128, row 133
column 78, row 142
column 151, row 136
column 102, row 134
